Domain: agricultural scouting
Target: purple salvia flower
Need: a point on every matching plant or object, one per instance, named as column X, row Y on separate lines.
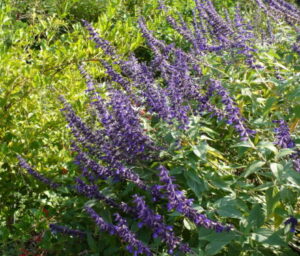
column 156, row 223
column 103, row 226
column 100, row 171
column 100, row 42
column 243, row 39
column 67, row 231
column 296, row 47
column 38, row 176
column 289, row 6
column 177, row 201
column 283, row 136
column 151, row 40
column 122, row 231
column 233, row 116
column 285, row 9
column 125, row 133
column 182, row 29
column 280, row 9
column 127, row 174
column 134, row 246
column 88, row 78
column 284, row 140
column 116, row 77
column 115, row 170
column 83, row 134
column 219, row 27
column 157, row 46
column 92, row 191
column 200, row 42
column 266, row 10
column 122, row 136
column 293, row 222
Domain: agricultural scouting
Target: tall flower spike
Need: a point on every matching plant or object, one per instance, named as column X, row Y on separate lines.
column 126, row 135
column 92, row 191
column 83, row 134
column 284, row 140
column 178, row 202
column 103, row 226
column 88, row 78
column 233, row 115
column 67, row 231
column 283, row 136
column 114, row 170
column 121, row 230
column 154, row 97
column 293, row 222
column 155, row 221
column 116, row 77
column 134, row 245
column 35, row 174
column 100, row 42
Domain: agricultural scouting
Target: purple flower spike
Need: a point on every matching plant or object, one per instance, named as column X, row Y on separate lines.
column 155, row 221
column 100, row 42
column 293, row 223
column 283, row 136
column 233, row 115
column 134, row 245
column 65, row 230
column 35, row 174
column 100, row 222
column 121, row 230
column 177, row 201
column 284, row 140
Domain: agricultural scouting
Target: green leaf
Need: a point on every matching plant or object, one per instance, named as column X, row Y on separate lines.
column 268, row 237
column 256, row 218
column 92, row 243
column 268, row 145
column 245, row 144
column 188, row 224
column 228, row 207
column 195, row 183
column 200, row 150
column 296, row 111
column 217, row 241
column 284, row 152
column 272, row 199
column 276, row 170
column 254, row 168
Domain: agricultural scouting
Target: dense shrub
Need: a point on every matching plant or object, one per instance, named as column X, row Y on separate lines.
column 207, row 115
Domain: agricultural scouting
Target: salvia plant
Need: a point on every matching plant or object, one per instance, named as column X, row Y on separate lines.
column 147, row 152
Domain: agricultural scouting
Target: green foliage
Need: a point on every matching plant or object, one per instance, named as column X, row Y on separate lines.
column 250, row 185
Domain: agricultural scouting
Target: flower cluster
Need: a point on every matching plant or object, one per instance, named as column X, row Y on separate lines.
column 283, row 136
column 177, row 201
column 233, row 115
column 35, row 174
column 278, row 9
column 284, row 140
column 156, row 223
column 65, row 230
column 134, row 246
column 219, row 34
column 100, row 42
column 122, row 231
column 293, row 223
